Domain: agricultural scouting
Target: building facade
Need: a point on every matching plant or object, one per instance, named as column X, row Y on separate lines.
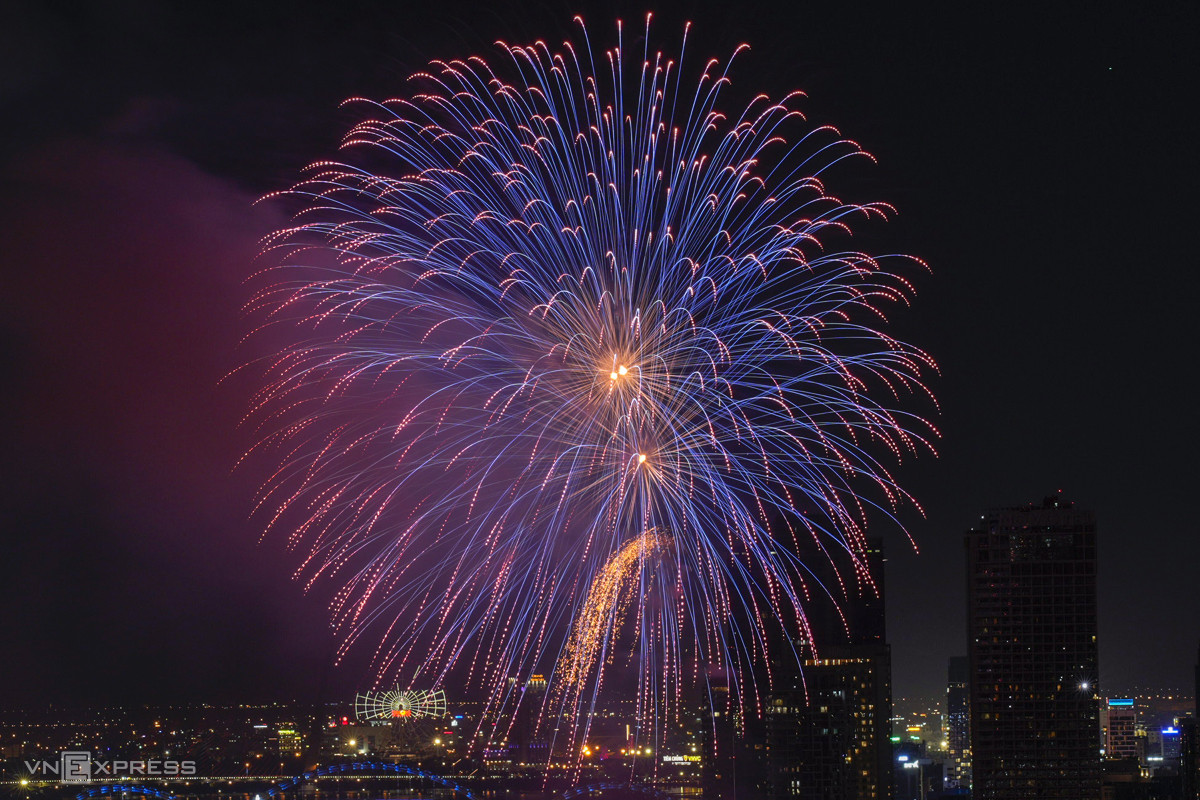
column 958, row 723
column 1120, row 732
column 1189, row 745
column 828, row 727
column 1031, row 618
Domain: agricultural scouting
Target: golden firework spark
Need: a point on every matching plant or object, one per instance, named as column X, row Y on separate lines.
column 606, row 605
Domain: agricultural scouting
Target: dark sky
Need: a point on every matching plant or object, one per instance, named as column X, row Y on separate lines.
column 1043, row 161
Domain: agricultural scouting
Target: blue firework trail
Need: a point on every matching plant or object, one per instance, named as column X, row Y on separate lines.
column 573, row 372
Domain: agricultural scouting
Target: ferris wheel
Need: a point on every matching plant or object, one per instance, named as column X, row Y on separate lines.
column 399, row 704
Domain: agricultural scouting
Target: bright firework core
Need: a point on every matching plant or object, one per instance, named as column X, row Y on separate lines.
column 448, row 451
column 621, row 372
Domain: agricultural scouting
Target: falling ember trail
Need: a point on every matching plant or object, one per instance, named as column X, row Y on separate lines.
column 598, row 622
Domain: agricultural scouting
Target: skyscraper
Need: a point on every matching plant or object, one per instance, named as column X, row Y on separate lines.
column 827, row 731
column 958, row 722
column 1189, row 746
column 529, row 746
column 1031, row 618
column 1120, row 737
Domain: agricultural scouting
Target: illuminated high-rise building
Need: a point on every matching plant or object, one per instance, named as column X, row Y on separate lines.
column 1169, row 744
column 1120, row 735
column 827, row 729
column 1189, row 746
column 1031, row 618
column 958, row 723
column 529, row 745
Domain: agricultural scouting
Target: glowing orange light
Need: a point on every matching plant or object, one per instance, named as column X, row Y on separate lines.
column 608, row 598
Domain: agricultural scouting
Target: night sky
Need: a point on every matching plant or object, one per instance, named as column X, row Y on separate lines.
column 1043, row 162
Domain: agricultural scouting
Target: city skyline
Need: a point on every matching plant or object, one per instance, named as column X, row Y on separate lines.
column 119, row 503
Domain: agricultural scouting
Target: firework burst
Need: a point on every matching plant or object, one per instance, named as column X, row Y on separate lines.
column 573, row 345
